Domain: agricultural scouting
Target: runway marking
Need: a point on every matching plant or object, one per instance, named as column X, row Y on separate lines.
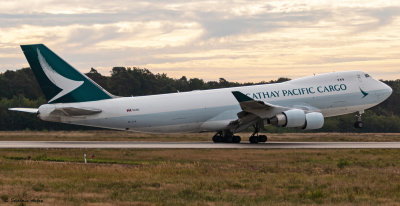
column 195, row 145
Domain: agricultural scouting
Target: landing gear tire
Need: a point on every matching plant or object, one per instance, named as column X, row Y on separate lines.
column 358, row 124
column 215, row 139
column 226, row 138
column 253, row 139
column 236, row 139
column 218, row 138
column 262, row 138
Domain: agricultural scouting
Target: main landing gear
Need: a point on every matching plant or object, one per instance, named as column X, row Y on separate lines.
column 226, row 137
column 255, row 137
column 229, row 137
column 359, row 123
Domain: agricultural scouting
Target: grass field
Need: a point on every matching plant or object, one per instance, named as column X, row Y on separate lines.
column 200, row 176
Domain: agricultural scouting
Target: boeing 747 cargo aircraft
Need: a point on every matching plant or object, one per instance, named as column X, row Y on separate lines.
column 73, row 98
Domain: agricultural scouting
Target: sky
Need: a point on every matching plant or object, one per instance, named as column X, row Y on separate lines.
column 243, row 41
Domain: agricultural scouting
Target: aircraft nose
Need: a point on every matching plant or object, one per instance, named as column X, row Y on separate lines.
column 387, row 91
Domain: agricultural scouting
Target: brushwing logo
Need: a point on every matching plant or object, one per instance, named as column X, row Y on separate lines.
column 364, row 93
column 66, row 85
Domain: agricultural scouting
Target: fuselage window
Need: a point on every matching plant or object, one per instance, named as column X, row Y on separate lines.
column 367, row 75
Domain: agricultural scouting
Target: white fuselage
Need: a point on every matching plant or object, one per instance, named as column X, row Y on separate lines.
column 331, row 94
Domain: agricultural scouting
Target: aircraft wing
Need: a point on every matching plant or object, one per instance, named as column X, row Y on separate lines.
column 27, row 110
column 253, row 112
column 75, row 111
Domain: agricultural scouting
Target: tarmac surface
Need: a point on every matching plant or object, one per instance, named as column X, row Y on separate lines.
column 196, row 145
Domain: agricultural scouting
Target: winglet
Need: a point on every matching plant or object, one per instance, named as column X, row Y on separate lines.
column 240, row 97
column 257, row 107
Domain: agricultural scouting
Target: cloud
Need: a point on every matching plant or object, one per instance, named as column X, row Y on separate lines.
column 218, row 26
column 382, row 17
column 238, row 40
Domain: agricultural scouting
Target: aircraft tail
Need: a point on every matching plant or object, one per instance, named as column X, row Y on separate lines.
column 59, row 81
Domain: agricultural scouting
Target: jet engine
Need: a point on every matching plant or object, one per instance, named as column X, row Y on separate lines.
column 297, row 118
column 289, row 118
column 314, row 120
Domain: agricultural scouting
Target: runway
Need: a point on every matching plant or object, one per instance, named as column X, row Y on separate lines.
column 195, row 145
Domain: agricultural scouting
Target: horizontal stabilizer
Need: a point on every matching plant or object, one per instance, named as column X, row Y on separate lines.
column 28, row 110
column 74, row 111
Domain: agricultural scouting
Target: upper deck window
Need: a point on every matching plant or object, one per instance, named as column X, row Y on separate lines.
column 367, row 75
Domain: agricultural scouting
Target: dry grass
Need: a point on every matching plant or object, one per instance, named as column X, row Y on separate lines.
column 202, row 177
column 108, row 135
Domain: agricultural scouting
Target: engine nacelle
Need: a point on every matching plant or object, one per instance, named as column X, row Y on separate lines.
column 289, row 118
column 314, row 120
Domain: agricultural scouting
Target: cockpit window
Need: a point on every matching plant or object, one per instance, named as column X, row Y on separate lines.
column 367, row 75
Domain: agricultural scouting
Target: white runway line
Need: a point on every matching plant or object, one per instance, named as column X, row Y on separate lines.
column 196, row 145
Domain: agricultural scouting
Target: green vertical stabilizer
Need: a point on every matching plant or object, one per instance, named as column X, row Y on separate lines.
column 59, row 81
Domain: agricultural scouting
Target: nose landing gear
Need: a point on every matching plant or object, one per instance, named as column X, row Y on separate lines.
column 359, row 123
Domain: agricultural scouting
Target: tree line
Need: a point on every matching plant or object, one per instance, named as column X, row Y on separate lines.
column 20, row 89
